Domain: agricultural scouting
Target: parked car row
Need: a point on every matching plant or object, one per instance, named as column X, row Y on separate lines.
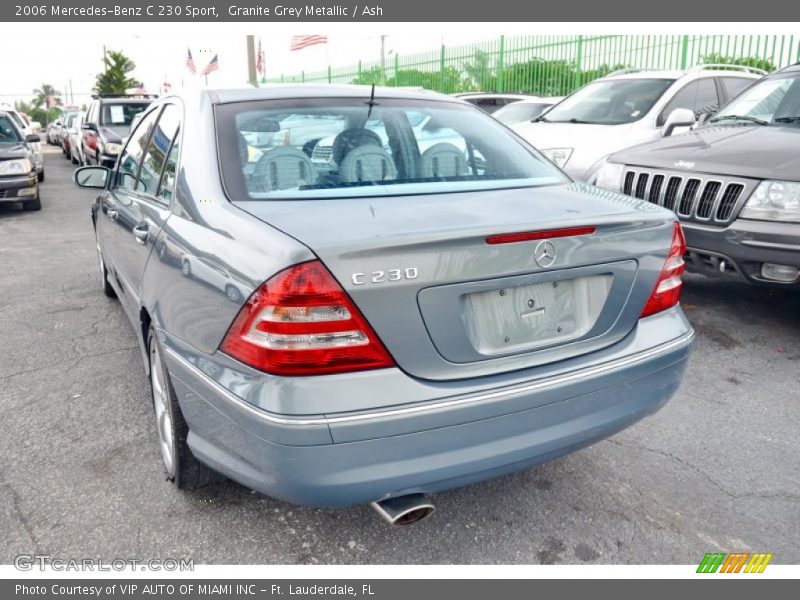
column 730, row 174
column 95, row 136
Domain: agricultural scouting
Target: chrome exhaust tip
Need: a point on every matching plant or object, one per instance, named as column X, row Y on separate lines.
column 404, row 510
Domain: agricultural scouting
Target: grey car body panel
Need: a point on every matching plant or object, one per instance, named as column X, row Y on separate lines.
column 738, row 150
column 328, row 440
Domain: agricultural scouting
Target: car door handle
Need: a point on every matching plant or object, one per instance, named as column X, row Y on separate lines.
column 112, row 213
column 140, row 233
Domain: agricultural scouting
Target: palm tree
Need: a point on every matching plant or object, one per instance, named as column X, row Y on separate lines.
column 45, row 95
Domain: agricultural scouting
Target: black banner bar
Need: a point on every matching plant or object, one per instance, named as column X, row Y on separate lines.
column 398, row 11
column 730, row 588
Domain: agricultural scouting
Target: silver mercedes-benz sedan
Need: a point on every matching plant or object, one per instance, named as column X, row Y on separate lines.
column 411, row 318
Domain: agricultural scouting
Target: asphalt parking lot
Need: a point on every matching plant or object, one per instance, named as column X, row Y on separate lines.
column 718, row 469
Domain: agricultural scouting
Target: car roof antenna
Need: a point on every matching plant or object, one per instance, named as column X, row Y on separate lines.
column 371, row 102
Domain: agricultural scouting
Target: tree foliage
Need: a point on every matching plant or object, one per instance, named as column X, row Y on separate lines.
column 115, row 79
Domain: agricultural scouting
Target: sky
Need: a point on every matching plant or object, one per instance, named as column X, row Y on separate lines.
column 69, row 55
column 70, row 59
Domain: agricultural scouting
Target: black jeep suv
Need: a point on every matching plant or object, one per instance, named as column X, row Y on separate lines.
column 107, row 124
column 734, row 183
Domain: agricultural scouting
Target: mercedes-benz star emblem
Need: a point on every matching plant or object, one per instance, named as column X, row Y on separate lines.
column 545, row 253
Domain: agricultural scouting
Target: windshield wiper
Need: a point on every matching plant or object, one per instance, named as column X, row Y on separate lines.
column 739, row 118
column 789, row 119
column 541, row 119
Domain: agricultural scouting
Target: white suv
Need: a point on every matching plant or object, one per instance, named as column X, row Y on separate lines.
column 627, row 108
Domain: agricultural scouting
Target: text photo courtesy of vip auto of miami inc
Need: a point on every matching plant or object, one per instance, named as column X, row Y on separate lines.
column 472, row 300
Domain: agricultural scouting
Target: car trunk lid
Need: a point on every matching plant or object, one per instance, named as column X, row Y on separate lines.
column 449, row 305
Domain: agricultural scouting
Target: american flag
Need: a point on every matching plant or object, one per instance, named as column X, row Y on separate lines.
column 190, row 62
column 260, row 59
column 212, row 66
column 304, row 41
column 139, row 90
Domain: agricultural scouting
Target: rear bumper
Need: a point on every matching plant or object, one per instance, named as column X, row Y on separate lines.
column 10, row 188
column 350, row 458
column 739, row 251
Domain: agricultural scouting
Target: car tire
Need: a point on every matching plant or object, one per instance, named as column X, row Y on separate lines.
column 73, row 159
column 107, row 289
column 232, row 293
column 35, row 204
column 40, row 176
column 180, row 465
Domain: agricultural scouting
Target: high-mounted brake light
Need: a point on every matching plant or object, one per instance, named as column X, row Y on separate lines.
column 301, row 322
column 667, row 290
column 527, row 236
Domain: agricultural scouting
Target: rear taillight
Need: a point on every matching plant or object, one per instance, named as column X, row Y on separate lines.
column 667, row 291
column 301, row 322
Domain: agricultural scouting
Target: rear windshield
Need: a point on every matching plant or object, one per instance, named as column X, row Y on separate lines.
column 338, row 148
column 610, row 101
column 120, row 114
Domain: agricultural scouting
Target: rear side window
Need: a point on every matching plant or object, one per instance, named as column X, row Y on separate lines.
column 735, row 85
column 157, row 150
column 312, row 149
column 699, row 96
column 120, row 114
column 131, row 157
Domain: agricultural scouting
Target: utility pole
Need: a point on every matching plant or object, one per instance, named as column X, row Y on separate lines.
column 383, row 60
column 251, row 61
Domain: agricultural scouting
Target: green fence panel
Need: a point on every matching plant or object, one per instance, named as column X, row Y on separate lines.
column 554, row 65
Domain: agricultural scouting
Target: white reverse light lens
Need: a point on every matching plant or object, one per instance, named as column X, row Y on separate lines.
column 609, row 177
column 113, row 149
column 559, row 156
column 15, row 167
column 774, row 201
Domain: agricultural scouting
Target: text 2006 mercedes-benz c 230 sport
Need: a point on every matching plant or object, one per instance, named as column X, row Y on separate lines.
column 433, row 306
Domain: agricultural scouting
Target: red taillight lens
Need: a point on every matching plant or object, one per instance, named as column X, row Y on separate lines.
column 301, row 322
column 668, row 287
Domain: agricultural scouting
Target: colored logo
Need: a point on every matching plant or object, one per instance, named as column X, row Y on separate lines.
column 736, row 562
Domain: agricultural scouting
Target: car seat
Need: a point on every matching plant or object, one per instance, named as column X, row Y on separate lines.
column 367, row 163
column 349, row 139
column 282, row 168
column 443, row 160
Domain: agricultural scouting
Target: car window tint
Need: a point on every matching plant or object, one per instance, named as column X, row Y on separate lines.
column 157, row 149
column 167, row 187
column 610, row 101
column 699, row 96
column 8, row 133
column 735, row 85
column 342, row 149
column 128, row 163
column 120, row 114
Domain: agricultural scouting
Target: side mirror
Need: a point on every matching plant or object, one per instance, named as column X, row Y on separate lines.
column 89, row 127
column 93, row 178
column 680, row 117
column 32, row 138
